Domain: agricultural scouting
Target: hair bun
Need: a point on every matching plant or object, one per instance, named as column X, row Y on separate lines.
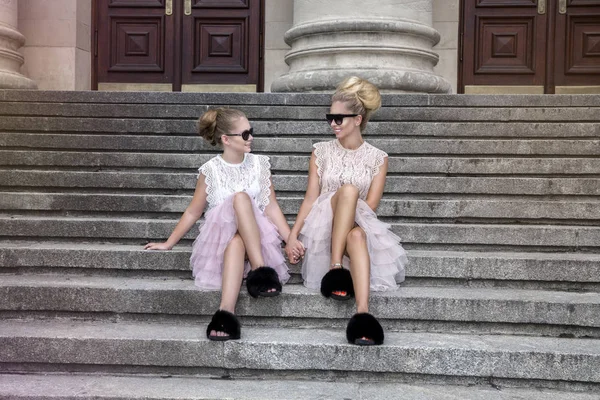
column 365, row 91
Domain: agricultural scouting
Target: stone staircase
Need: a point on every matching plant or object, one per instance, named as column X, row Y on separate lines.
column 497, row 200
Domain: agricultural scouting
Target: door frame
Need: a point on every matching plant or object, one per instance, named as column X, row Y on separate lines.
column 178, row 51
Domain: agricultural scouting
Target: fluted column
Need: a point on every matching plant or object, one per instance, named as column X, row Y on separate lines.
column 388, row 42
column 10, row 42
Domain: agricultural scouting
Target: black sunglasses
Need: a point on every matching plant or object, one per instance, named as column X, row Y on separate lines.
column 245, row 135
column 338, row 118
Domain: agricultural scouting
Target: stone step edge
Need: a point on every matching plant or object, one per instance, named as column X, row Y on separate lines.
column 484, row 209
column 574, row 100
column 145, row 229
column 440, row 264
column 494, row 356
column 180, row 297
column 91, row 387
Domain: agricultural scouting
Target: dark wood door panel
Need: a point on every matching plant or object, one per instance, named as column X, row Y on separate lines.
column 221, row 44
column 504, row 43
column 506, row 3
column 221, row 4
column 137, row 3
column 577, row 39
column 134, row 41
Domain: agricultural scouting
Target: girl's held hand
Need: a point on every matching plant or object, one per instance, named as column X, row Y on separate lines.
column 157, row 246
column 294, row 250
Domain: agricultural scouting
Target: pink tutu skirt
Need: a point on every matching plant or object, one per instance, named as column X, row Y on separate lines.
column 217, row 230
column 388, row 258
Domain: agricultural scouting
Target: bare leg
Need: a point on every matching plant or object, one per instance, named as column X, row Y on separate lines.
column 233, row 273
column 248, row 228
column 360, row 267
column 343, row 204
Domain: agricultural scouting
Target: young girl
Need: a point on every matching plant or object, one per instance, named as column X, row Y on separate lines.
column 243, row 226
column 337, row 221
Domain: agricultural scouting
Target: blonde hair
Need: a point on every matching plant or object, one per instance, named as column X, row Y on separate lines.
column 216, row 122
column 360, row 96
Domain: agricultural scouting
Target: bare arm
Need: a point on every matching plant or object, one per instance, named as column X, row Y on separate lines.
column 312, row 193
column 377, row 186
column 188, row 219
column 274, row 213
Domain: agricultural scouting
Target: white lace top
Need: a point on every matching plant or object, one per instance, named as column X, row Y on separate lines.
column 253, row 176
column 337, row 166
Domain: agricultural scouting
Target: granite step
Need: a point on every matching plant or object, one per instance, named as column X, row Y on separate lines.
column 112, row 181
column 164, row 387
column 569, row 271
column 459, row 265
column 435, row 165
column 491, row 209
column 307, row 112
column 453, row 309
column 295, row 145
column 432, row 100
column 456, row 129
column 561, row 237
column 533, row 361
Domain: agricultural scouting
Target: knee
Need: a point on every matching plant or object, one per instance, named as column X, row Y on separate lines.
column 241, row 198
column 356, row 236
column 348, row 190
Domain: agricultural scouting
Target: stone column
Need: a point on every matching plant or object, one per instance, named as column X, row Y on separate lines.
column 388, row 42
column 10, row 42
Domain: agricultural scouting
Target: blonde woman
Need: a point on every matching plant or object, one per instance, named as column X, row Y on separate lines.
column 348, row 251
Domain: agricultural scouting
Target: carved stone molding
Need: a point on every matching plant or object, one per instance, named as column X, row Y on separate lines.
column 388, row 42
column 10, row 42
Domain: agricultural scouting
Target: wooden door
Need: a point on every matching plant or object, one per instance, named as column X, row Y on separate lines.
column 206, row 45
column 221, row 42
column 135, row 42
column 504, row 43
column 577, row 40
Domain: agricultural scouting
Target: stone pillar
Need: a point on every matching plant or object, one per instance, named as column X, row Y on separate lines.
column 388, row 42
column 10, row 42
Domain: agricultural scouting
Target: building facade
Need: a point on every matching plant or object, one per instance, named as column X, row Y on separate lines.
column 434, row 46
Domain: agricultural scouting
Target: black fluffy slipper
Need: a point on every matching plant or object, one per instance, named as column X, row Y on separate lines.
column 223, row 321
column 261, row 280
column 337, row 280
column 364, row 330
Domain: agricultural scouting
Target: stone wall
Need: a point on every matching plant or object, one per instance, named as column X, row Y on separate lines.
column 58, row 43
column 445, row 21
column 279, row 15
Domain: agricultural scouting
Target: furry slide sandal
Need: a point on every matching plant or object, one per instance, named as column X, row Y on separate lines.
column 261, row 280
column 364, row 330
column 223, row 321
column 337, row 280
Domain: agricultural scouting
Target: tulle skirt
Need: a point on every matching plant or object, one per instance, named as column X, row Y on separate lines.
column 388, row 258
column 217, row 230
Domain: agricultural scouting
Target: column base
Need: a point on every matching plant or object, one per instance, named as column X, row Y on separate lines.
column 393, row 53
column 11, row 80
column 388, row 81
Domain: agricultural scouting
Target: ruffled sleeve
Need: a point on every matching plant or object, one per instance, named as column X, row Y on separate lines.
column 379, row 158
column 264, row 177
column 320, row 154
column 208, row 171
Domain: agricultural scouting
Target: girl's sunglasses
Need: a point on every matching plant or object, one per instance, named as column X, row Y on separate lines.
column 245, row 135
column 338, row 118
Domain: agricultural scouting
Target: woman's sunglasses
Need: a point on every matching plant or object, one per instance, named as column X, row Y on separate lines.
column 338, row 118
column 245, row 135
